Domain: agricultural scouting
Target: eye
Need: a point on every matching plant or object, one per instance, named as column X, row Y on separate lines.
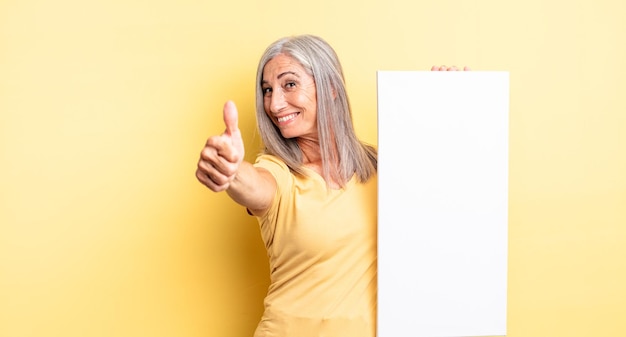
column 290, row 85
column 266, row 91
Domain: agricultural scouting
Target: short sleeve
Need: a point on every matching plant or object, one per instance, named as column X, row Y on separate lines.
column 277, row 168
column 284, row 183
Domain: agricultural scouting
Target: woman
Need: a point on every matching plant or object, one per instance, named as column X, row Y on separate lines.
column 313, row 191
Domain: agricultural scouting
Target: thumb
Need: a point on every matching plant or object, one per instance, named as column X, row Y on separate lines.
column 231, row 118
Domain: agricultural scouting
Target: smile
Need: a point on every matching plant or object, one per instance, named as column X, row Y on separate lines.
column 287, row 118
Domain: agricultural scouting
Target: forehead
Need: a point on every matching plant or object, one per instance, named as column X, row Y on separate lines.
column 281, row 64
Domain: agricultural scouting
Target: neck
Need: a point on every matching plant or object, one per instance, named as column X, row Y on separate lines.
column 312, row 158
column 311, row 152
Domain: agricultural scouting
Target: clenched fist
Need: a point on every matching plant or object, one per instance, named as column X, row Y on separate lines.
column 222, row 155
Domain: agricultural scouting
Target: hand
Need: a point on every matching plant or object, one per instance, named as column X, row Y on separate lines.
column 444, row 68
column 222, row 155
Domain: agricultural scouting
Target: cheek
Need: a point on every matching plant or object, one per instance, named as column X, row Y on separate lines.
column 268, row 114
column 311, row 104
column 309, row 98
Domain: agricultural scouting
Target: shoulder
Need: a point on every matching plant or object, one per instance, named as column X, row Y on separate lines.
column 264, row 159
column 271, row 163
column 275, row 166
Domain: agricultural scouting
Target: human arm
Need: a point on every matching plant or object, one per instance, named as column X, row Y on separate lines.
column 221, row 168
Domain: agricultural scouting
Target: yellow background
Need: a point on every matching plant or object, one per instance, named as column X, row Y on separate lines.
column 105, row 105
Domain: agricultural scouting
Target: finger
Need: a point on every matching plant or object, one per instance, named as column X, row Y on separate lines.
column 231, row 118
column 219, row 174
column 453, row 68
column 466, row 68
column 206, row 180
column 212, row 175
column 221, row 155
column 434, row 68
column 224, row 148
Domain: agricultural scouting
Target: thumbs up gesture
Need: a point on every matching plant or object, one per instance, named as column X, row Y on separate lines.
column 222, row 155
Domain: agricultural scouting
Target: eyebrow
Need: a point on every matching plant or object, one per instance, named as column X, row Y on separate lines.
column 283, row 74
column 287, row 72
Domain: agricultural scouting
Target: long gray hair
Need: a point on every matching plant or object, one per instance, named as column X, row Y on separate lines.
column 343, row 154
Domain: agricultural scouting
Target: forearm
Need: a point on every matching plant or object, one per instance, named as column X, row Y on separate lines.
column 253, row 188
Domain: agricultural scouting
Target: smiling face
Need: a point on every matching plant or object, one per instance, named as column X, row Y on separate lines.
column 289, row 97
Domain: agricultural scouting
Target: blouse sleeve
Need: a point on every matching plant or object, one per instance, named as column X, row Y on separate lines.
column 284, row 183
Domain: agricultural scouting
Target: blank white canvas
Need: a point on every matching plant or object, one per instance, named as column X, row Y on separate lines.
column 443, row 203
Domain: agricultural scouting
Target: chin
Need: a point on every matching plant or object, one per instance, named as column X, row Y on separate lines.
column 288, row 135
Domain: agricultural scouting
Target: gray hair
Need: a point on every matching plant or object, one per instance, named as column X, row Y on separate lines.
column 343, row 154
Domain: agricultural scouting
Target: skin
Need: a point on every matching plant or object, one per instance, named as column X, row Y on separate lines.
column 290, row 92
column 290, row 100
column 221, row 168
column 452, row 68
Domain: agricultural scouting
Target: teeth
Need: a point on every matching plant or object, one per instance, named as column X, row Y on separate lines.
column 286, row 118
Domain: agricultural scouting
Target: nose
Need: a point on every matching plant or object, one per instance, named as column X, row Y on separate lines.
column 277, row 101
